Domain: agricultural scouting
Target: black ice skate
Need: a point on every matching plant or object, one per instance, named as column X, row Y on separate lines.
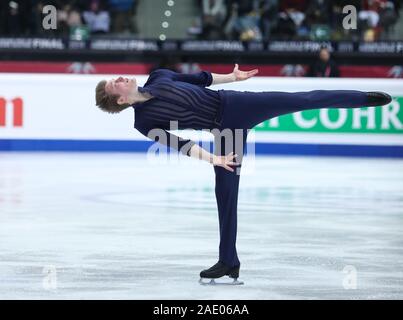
column 377, row 98
column 218, row 271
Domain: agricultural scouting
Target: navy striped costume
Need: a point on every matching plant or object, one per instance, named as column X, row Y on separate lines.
column 177, row 97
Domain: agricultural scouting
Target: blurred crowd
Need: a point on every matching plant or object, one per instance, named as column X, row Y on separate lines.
column 294, row 19
column 24, row 17
column 218, row 20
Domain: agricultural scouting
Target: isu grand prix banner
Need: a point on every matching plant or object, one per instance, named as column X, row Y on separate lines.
column 58, row 112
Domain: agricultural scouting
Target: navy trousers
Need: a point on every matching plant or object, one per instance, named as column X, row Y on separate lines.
column 242, row 111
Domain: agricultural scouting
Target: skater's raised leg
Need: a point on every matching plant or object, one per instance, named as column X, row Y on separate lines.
column 248, row 109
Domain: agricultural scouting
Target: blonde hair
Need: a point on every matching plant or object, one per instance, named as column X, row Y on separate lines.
column 107, row 102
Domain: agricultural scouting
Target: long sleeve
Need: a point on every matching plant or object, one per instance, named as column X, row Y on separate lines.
column 202, row 78
column 168, row 139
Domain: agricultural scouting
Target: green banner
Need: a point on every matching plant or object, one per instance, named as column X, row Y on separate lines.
column 386, row 119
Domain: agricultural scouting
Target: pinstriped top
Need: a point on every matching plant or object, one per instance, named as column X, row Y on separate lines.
column 182, row 98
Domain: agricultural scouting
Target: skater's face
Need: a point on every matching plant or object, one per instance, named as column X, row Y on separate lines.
column 121, row 87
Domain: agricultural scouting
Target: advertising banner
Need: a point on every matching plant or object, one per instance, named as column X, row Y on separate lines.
column 42, row 110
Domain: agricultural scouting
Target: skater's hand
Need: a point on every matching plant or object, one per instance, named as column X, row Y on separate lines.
column 225, row 161
column 243, row 75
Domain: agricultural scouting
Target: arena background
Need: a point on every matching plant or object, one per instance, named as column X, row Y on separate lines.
column 48, row 118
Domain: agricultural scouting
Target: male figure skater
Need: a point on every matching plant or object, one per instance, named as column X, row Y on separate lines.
column 169, row 96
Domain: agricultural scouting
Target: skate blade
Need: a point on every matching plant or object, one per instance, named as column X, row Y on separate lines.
column 220, row 282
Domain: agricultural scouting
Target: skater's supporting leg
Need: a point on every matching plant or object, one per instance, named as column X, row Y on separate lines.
column 226, row 191
column 219, row 270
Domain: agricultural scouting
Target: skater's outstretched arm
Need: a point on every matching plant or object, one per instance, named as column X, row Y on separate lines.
column 235, row 75
column 222, row 161
column 202, row 78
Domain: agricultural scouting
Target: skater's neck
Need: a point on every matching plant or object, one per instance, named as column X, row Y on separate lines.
column 138, row 97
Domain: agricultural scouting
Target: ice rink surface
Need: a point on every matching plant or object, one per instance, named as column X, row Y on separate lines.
column 120, row 226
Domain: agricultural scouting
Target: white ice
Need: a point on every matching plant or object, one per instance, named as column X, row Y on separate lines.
column 116, row 226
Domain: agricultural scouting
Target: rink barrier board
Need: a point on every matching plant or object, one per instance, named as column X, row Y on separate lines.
column 57, row 112
column 32, row 145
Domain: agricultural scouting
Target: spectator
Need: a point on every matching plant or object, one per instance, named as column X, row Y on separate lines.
column 215, row 9
column 291, row 19
column 371, row 10
column 13, row 18
column 387, row 18
column 67, row 18
column 97, row 20
column 318, row 12
column 269, row 16
column 244, row 20
column 285, row 28
column 295, row 10
column 121, row 11
column 324, row 66
column 62, row 19
column 214, row 13
column 34, row 18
